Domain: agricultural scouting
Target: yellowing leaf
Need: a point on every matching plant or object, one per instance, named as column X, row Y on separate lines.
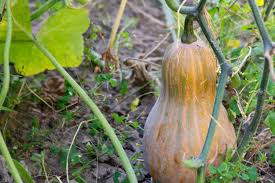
column 260, row 2
column 134, row 104
column 61, row 34
column 235, row 43
column 21, row 13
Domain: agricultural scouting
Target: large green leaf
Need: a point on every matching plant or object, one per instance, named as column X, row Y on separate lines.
column 61, row 34
column 21, row 13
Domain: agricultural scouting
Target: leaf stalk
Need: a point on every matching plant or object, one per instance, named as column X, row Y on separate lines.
column 3, row 94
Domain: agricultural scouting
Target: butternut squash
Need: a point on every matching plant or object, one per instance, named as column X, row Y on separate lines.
column 177, row 125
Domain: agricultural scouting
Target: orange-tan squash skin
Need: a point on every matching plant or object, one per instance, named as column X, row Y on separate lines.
column 176, row 127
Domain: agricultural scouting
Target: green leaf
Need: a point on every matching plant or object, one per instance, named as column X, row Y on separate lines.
column 223, row 168
column 79, row 179
column 236, row 81
column 271, row 89
column 74, row 158
column 6, row 109
column 212, row 169
column 116, row 177
column 24, row 174
column 244, row 176
column 118, row 118
column 61, row 34
column 233, row 105
column 113, row 82
column 135, row 124
column 123, row 87
column 100, row 78
column 21, row 13
column 63, row 39
column 252, row 173
column 270, row 121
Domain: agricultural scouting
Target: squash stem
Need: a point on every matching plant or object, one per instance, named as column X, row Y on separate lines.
column 225, row 72
column 268, row 48
column 200, row 175
column 41, row 10
column 188, row 10
column 188, row 35
column 251, row 129
column 6, row 81
column 4, row 91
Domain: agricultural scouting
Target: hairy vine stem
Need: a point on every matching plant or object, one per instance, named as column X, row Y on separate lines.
column 269, row 46
column 41, row 10
column 89, row 102
column 225, row 72
column 4, row 91
column 188, row 10
column 269, row 50
column 252, row 128
column 197, row 12
column 6, row 81
column 201, row 5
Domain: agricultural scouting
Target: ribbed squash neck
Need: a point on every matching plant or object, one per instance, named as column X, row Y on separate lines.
column 189, row 72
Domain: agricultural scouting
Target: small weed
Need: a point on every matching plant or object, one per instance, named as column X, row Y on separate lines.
column 68, row 116
column 118, row 179
column 123, row 87
column 95, row 31
column 227, row 172
column 135, row 124
column 261, row 157
column 118, row 118
column 95, row 126
column 74, row 158
column 106, row 77
column 65, row 99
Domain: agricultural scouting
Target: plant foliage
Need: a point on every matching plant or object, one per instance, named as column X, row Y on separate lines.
column 62, row 38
